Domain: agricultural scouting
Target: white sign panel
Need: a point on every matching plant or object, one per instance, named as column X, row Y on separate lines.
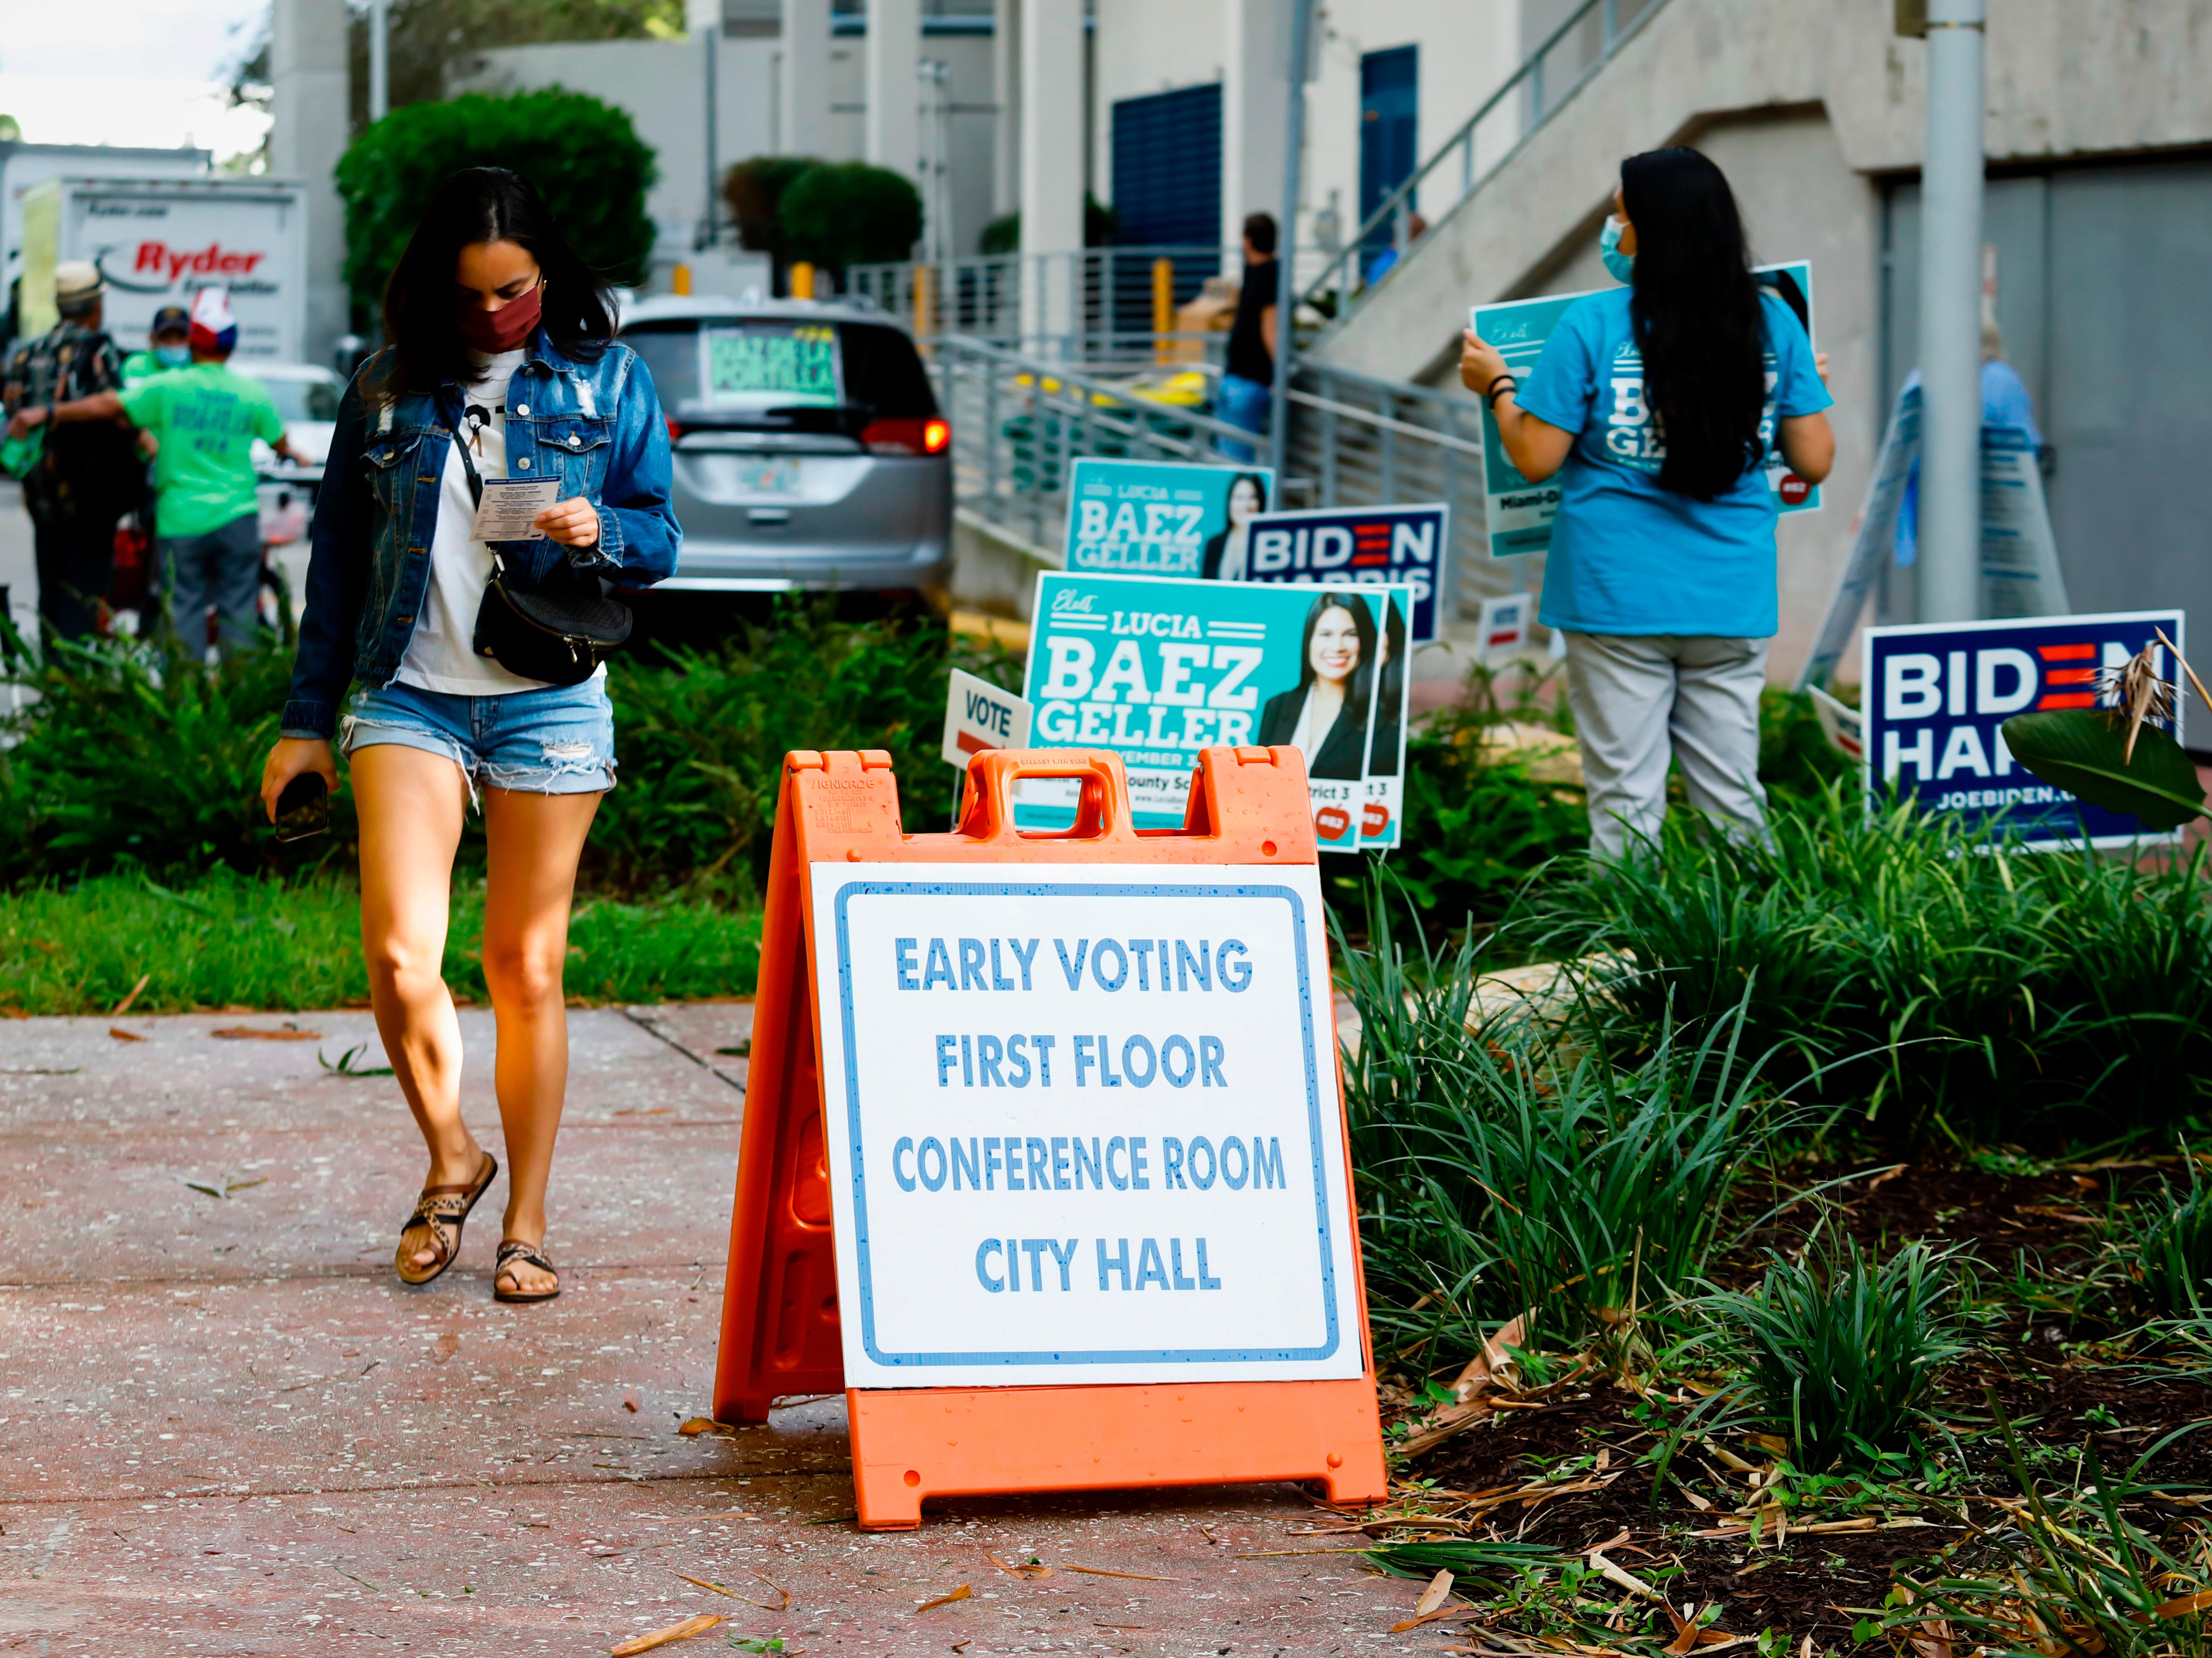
column 979, row 716
column 1083, row 1124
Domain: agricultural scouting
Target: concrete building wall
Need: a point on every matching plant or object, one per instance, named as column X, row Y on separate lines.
column 662, row 86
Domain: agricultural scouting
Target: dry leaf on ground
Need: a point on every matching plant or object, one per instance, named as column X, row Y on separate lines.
column 960, row 1593
column 123, row 1006
column 1153, row 1577
column 240, row 1033
column 705, row 1424
column 1030, row 1568
column 661, row 1637
column 123, row 1035
column 722, row 1588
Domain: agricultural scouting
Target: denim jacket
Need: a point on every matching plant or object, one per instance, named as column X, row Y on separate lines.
column 597, row 427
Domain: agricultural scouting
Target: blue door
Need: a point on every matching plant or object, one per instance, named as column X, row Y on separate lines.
column 1389, row 127
column 1167, row 192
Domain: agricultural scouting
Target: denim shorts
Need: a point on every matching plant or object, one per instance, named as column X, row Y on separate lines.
column 560, row 740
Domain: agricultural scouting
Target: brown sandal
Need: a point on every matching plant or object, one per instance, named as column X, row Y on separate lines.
column 533, row 1254
column 444, row 1210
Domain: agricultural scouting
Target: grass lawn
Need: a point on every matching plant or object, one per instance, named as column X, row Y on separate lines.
column 233, row 941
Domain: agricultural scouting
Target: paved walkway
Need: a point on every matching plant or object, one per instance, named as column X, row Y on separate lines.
column 226, row 1428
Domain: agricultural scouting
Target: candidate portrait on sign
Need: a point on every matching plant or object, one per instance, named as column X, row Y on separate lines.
column 1324, row 715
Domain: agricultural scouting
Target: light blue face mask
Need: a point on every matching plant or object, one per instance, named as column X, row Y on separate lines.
column 1622, row 265
column 173, row 356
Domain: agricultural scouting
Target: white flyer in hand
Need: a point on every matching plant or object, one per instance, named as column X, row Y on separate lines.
column 510, row 507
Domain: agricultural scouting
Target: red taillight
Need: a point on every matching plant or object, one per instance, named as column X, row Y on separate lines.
column 675, row 432
column 906, row 437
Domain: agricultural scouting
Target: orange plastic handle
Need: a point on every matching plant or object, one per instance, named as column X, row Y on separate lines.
column 1104, row 814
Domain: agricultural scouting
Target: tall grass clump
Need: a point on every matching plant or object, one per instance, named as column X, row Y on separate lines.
column 1956, row 988
column 2165, row 1245
column 1511, row 1167
column 1841, row 1354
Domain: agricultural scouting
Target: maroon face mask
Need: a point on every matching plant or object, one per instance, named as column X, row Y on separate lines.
column 503, row 329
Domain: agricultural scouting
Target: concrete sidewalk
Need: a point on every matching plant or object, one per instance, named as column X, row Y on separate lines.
column 225, row 1427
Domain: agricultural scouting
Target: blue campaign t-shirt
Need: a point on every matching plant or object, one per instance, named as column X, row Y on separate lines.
column 1628, row 556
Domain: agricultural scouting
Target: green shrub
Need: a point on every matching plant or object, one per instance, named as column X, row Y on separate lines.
column 584, row 156
column 1958, row 989
column 1843, row 1354
column 753, row 190
column 1513, row 1168
column 701, row 737
column 842, row 213
column 135, row 754
column 2167, row 1243
column 134, row 757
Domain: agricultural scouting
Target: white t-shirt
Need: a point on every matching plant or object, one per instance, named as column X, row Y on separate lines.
column 440, row 656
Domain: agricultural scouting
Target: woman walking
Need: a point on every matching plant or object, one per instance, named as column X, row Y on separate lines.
column 1658, row 403
column 500, row 364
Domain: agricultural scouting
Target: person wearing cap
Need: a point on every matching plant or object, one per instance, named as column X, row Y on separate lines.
column 205, row 417
column 83, row 480
column 166, row 347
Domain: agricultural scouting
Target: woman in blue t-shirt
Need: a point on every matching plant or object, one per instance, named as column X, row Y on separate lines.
column 1658, row 405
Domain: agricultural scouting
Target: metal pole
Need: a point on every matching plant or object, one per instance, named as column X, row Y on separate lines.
column 708, row 41
column 380, row 60
column 1287, row 236
column 1950, row 317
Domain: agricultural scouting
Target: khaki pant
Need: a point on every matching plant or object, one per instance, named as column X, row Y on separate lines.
column 1641, row 700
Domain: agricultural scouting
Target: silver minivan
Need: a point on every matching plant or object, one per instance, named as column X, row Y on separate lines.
column 809, row 449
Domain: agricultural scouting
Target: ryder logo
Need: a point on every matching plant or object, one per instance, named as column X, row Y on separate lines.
column 168, row 263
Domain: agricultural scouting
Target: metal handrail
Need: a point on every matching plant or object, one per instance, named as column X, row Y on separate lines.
column 1397, row 207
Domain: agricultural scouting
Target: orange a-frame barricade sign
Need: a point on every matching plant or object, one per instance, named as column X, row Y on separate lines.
column 1121, row 1040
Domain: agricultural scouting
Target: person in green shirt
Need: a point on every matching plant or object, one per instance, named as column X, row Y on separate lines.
column 167, row 347
column 205, row 418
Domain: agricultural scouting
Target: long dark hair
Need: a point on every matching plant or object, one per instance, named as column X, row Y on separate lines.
column 1696, row 312
column 1363, row 622
column 483, row 205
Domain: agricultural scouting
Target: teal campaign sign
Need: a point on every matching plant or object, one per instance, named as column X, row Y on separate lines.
column 1519, row 513
column 1161, row 517
column 1381, row 821
column 1156, row 669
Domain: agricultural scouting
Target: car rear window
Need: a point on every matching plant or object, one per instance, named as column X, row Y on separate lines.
column 729, row 369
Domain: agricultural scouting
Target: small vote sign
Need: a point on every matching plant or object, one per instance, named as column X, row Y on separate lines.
column 979, row 716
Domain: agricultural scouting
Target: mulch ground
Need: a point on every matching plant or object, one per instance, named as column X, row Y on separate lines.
column 2041, row 1227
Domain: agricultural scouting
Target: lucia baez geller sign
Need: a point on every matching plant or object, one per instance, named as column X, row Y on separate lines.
column 1083, row 1124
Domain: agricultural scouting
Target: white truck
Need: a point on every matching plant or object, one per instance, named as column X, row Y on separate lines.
column 158, row 241
column 24, row 167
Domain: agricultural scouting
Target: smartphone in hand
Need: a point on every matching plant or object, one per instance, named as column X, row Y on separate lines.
column 304, row 808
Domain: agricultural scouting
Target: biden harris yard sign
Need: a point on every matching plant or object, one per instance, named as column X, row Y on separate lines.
column 1936, row 695
column 1083, row 1124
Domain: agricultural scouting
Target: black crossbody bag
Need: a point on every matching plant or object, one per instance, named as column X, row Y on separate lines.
column 560, row 632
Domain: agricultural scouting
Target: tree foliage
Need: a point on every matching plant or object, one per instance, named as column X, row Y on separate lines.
column 583, row 156
column 754, row 191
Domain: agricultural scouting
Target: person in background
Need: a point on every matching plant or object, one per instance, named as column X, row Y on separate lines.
column 167, row 347
column 2005, row 402
column 205, row 418
column 1387, row 261
column 85, row 480
column 1657, row 404
column 1248, row 378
